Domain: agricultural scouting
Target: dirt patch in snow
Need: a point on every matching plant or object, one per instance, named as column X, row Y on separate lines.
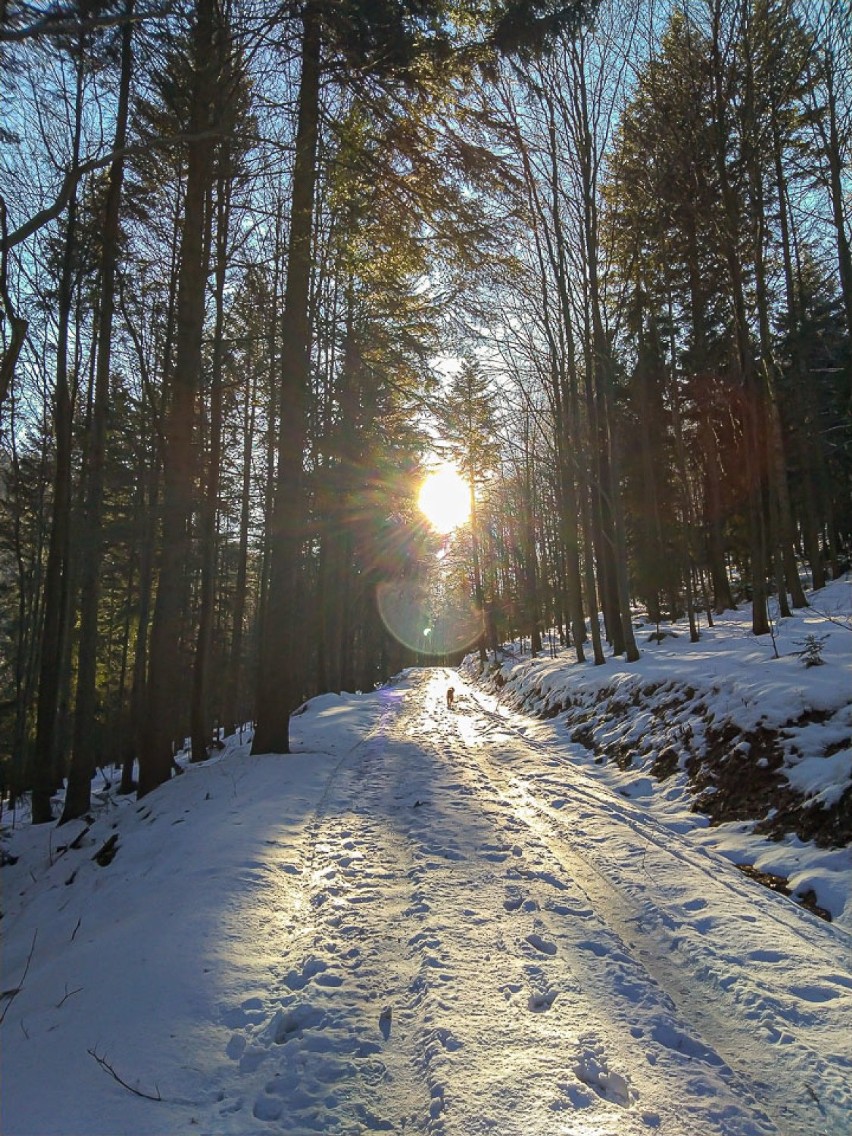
column 778, row 883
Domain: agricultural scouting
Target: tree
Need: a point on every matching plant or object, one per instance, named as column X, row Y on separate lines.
column 78, row 794
column 399, row 48
column 179, row 454
column 53, row 668
column 278, row 673
column 469, row 426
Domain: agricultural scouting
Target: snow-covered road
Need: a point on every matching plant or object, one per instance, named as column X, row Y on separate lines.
column 424, row 921
column 525, row 953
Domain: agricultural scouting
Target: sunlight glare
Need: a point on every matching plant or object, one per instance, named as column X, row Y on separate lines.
column 444, row 499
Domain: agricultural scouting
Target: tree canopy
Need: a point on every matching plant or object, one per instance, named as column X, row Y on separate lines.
column 259, row 264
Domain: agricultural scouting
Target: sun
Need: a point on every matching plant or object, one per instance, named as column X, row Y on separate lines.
column 444, row 499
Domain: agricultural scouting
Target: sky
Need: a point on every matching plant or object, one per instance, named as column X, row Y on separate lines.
column 435, row 920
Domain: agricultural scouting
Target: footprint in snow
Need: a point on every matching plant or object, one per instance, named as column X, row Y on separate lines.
column 595, row 948
column 765, row 956
column 293, row 1022
column 441, row 1040
column 592, row 1068
column 249, row 1013
column 267, row 1108
column 681, row 1042
column 540, row 944
column 310, row 968
column 813, row 992
column 230, row 1106
column 541, row 1000
column 577, row 912
column 331, row 980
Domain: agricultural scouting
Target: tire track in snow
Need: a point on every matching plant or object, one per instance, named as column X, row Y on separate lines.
column 562, row 981
column 651, row 934
column 809, row 929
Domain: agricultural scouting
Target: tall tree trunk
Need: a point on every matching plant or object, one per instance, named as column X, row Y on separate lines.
column 78, row 791
column 529, row 581
column 57, row 583
column 200, row 709
column 272, row 407
column 649, row 536
column 565, row 385
column 803, row 413
column 611, row 553
column 687, row 503
column 753, row 414
column 147, row 498
column 280, row 675
column 28, row 559
column 478, row 592
column 347, row 590
column 165, row 671
column 235, row 680
column 836, row 168
column 784, row 561
column 723, row 599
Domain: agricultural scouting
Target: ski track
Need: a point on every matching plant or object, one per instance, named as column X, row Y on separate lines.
column 437, row 881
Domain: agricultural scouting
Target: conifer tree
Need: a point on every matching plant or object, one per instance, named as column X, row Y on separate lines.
column 470, row 428
column 180, row 470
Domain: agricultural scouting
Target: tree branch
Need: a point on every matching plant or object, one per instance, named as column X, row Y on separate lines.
column 62, row 20
column 17, row 325
column 15, row 991
column 104, row 1064
column 76, row 173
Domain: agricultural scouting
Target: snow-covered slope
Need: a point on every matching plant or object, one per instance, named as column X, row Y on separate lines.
column 736, row 727
column 423, row 921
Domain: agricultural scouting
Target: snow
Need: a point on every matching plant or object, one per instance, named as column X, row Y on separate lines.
column 445, row 921
column 728, row 678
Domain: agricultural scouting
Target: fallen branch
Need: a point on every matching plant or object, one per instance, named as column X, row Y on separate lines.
column 13, row 993
column 843, row 621
column 104, row 1064
column 75, row 844
column 68, row 994
column 78, row 839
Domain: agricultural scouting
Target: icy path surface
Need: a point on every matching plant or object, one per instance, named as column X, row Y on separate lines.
column 488, row 946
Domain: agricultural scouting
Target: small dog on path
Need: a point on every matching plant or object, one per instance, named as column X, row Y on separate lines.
column 451, row 694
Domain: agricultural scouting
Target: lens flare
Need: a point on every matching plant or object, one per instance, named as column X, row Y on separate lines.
column 411, row 615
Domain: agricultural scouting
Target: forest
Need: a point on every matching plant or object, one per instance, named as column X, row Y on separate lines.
column 262, row 265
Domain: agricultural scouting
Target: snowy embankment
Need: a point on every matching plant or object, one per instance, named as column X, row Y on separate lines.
column 734, row 736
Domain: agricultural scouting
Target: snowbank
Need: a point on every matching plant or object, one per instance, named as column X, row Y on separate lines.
column 734, row 736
